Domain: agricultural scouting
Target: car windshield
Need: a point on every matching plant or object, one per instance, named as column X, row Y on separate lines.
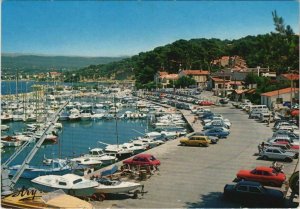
column 152, row 158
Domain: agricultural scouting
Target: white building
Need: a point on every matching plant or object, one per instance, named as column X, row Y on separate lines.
column 272, row 98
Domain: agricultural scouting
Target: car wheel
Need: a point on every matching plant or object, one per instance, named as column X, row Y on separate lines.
column 265, row 157
column 288, row 159
column 183, row 144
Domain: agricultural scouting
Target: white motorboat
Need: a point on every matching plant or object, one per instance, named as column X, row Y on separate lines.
column 85, row 162
column 70, row 183
column 9, row 141
column 113, row 110
column 119, row 151
column 18, row 117
column 115, row 187
column 5, row 117
column 4, row 127
column 170, row 134
column 74, row 114
column 85, row 116
column 99, row 154
column 135, row 149
column 98, row 115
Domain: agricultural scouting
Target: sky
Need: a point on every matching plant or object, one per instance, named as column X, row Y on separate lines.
column 116, row 28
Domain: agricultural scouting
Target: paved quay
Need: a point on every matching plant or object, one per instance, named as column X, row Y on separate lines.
column 196, row 176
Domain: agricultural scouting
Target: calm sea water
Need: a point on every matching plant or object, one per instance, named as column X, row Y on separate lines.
column 10, row 87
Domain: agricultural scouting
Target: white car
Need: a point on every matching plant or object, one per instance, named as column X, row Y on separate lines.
column 225, row 121
column 276, row 153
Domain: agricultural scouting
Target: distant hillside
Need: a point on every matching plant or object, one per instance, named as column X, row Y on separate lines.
column 276, row 51
column 44, row 63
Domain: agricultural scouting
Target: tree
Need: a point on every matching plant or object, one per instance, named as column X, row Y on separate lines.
column 185, row 81
column 280, row 26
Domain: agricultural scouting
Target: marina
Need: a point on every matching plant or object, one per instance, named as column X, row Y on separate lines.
column 108, row 104
column 91, row 141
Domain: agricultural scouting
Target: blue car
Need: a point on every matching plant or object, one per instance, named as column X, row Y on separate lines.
column 216, row 124
column 220, row 132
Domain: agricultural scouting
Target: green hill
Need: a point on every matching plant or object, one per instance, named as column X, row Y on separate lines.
column 276, row 51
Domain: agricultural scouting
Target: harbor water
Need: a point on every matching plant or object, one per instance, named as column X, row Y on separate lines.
column 77, row 138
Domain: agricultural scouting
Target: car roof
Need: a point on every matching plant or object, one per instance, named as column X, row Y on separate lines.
column 143, row 155
column 248, row 183
column 264, row 168
column 278, row 148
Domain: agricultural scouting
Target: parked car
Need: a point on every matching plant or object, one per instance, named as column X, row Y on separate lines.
column 202, row 141
column 219, row 132
column 285, row 124
column 288, row 133
column 264, row 175
column 224, row 101
column 213, row 139
column 142, row 159
column 254, row 193
column 275, row 153
column 286, row 146
column 215, row 124
column 282, row 138
column 206, row 103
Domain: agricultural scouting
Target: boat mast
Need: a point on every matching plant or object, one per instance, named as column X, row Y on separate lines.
column 116, row 122
column 17, row 89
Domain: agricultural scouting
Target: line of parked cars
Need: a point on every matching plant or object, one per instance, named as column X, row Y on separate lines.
column 215, row 127
column 282, row 146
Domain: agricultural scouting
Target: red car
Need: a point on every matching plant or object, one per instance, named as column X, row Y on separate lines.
column 206, row 103
column 264, row 175
column 295, row 147
column 142, row 159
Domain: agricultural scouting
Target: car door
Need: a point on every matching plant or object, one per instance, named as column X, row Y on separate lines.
column 241, row 192
column 256, row 175
column 269, row 153
column 192, row 141
column 255, row 194
column 277, row 155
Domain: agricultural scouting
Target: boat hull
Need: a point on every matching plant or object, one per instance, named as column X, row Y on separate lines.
column 116, row 189
column 83, row 192
column 31, row 173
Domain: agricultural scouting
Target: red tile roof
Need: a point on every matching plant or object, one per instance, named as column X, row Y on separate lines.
column 162, row 73
column 280, row 91
column 170, row 76
column 196, row 72
column 291, row 76
column 54, row 73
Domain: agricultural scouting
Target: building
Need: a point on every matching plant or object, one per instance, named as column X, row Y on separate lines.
column 290, row 77
column 54, row 74
column 165, row 79
column 279, row 96
column 200, row 76
column 232, row 62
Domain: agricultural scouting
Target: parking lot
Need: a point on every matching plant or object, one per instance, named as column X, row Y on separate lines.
column 196, row 176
